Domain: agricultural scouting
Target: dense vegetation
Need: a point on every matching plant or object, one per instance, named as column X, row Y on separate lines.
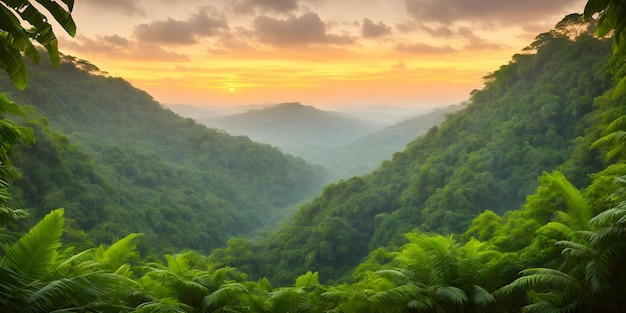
column 121, row 163
column 561, row 250
column 535, row 114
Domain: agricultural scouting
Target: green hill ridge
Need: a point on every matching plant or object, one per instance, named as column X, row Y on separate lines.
column 536, row 114
column 151, row 171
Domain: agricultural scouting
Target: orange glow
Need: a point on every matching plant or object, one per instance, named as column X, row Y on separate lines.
column 236, row 66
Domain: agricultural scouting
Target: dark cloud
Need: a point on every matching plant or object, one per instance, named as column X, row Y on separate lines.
column 126, row 7
column 371, row 30
column 303, row 30
column 116, row 40
column 239, row 38
column 205, row 23
column 439, row 31
column 421, row 48
column 475, row 42
column 278, row 6
column 435, row 31
column 407, row 27
column 485, row 11
column 116, row 47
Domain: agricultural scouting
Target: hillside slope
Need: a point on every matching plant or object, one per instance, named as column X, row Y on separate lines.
column 366, row 153
column 525, row 120
column 184, row 185
column 342, row 144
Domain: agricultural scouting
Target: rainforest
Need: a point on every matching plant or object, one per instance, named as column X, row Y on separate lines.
column 515, row 202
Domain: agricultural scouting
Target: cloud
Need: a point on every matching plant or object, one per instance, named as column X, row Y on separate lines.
column 475, row 42
column 486, row 11
column 112, row 46
column 278, row 6
column 116, row 47
column 126, row 7
column 439, row 31
column 205, row 23
column 304, row 30
column 116, row 40
column 371, row 30
column 239, row 38
column 421, row 48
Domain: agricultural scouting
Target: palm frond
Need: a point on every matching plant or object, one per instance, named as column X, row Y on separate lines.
column 541, row 278
column 121, row 251
column 452, row 294
column 35, row 252
column 73, row 292
column 482, row 297
column 577, row 207
column 576, row 250
column 604, row 219
column 164, row 305
column 423, row 304
column 227, row 293
column 398, row 277
column 400, row 294
column 283, row 296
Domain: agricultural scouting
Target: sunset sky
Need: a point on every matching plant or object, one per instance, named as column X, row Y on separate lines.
column 325, row 53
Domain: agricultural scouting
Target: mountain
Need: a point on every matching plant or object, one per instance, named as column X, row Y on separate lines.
column 197, row 113
column 366, row 153
column 296, row 129
column 339, row 142
column 118, row 162
column 382, row 114
column 534, row 115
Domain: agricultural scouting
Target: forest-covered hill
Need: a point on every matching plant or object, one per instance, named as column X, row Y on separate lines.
column 297, row 129
column 341, row 143
column 515, row 204
column 118, row 162
column 366, row 153
column 535, row 114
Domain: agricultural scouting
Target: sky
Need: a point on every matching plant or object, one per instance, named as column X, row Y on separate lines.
column 324, row 53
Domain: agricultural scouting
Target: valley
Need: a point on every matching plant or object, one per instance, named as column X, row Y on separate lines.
column 513, row 201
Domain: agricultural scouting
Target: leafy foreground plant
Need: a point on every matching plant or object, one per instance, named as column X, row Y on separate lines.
column 35, row 277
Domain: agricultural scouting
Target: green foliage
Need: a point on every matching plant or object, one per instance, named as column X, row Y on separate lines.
column 567, row 244
column 15, row 39
column 127, row 165
column 534, row 115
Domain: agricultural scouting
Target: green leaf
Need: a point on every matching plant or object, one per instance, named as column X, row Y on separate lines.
column 8, row 106
column 482, row 297
column 63, row 17
column 11, row 61
column 451, row 293
column 121, row 251
column 34, row 253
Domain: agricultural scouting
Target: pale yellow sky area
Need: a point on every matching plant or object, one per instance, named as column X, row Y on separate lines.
column 411, row 53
